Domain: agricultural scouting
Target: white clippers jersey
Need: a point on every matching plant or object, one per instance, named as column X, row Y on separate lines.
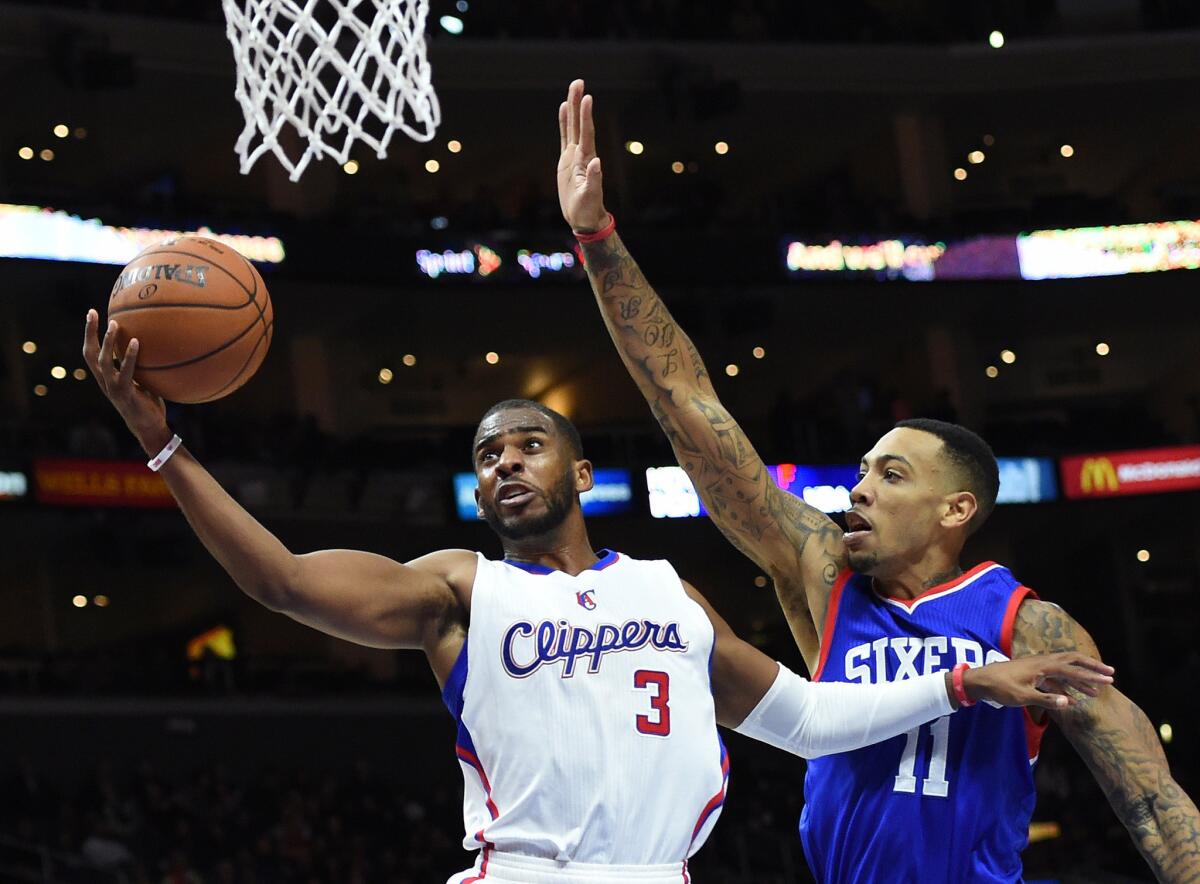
column 586, row 726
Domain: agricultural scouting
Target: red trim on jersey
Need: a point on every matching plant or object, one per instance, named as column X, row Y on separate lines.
column 1034, row 730
column 939, row 589
column 686, row 879
column 714, row 802
column 831, row 612
column 469, row 757
column 483, row 868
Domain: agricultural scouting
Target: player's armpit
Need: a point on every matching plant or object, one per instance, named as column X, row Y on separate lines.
column 1122, row 749
column 376, row 601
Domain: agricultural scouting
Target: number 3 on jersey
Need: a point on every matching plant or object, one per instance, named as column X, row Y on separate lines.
column 935, row 784
column 658, row 725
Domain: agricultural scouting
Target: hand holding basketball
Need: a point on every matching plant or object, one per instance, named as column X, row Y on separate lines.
column 580, row 180
column 145, row 413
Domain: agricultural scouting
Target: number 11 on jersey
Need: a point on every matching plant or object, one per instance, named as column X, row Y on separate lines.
column 935, row 784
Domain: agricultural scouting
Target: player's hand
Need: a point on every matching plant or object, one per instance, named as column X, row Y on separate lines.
column 580, row 180
column 1045, row 680
column 144, row 412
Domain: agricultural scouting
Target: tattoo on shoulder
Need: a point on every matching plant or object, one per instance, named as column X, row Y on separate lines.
column 1042, row 628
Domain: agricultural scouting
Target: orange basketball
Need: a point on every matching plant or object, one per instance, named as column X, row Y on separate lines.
column 201, row 314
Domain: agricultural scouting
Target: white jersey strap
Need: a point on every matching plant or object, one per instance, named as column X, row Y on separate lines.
column 811, row 719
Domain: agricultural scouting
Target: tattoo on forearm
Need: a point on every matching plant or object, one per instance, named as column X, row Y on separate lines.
column 770, row 526
column 1121, row 748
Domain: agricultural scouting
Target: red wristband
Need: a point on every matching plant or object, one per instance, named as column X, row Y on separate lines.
column 603, row 233
column 960, row 691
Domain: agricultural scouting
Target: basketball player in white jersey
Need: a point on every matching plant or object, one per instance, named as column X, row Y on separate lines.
column 587, row 686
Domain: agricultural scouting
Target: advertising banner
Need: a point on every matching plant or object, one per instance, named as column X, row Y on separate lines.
column 1118, row 473
column 99, row 483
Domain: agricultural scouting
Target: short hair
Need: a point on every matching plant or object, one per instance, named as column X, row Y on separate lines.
column 971, row 458
column 562, row 425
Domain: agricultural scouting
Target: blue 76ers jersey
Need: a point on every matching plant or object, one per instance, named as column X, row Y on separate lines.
column 949, row 801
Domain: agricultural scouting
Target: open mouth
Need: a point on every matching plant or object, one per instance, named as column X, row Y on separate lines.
column 514, row 494
column 857, row 527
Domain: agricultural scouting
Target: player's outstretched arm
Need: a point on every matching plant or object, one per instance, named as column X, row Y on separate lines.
column 764, row 700
column 799, row 546
column 359, row 596
column 1121, row 748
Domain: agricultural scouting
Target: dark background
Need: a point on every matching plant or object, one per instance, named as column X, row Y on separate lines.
column 308, row 759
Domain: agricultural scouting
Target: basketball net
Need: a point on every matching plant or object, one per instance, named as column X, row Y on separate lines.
column 357, row 74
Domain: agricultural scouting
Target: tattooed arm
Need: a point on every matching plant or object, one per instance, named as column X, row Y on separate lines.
column 798, row 545
column 1121, row 748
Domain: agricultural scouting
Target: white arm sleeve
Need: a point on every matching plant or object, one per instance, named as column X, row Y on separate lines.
column 811, row 719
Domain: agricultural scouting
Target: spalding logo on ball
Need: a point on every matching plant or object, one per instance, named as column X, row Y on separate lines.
column 201, row 314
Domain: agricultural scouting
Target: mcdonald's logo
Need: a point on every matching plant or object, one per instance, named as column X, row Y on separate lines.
column 1098, row 475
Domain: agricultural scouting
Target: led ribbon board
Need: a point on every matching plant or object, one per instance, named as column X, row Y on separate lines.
column 1039, row 254
column 1119, row 473
column 51, row 235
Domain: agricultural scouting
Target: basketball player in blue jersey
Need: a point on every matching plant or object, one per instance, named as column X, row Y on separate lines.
column 885, row 601
column 587, row 686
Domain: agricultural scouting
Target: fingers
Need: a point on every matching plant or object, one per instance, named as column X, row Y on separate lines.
column 91, row 339
column 1050, row 700
column 106, row 349
column 562, row 127
column 587, row 127
column 593, row 173
column 574, row 98
column 128, row 364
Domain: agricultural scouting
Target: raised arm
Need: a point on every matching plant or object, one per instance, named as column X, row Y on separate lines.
column 1121, row 748
column 358, row 596
column 764, row 700
column 796, row 544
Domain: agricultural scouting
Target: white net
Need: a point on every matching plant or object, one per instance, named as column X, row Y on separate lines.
column 334, row 71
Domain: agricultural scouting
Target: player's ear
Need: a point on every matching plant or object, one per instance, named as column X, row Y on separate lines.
column 959, row 507
column 478, row 506
column 584, row 480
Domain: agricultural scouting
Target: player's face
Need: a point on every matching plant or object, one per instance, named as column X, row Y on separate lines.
column 528, row 481
column 898, row 503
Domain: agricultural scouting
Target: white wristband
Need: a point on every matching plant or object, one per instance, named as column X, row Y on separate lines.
column 156, row 463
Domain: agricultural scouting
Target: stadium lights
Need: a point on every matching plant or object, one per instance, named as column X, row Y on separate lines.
column 721, row 147
column 58, row 372
column 61, row 131
column 635, row 147
column 431, row 166
column 677, row 167
column 409, row 360
column 100, row 601
column 79, row 374
column 454, row 145
column 47, row 154
column 79, row 601
column 451, row 24
column 760, row 581
column 1067, row 151
column 758, row 352
column 975, row 157
column 462, row 5
column 29, row 348
column 385, row 375
column 80, row 133
column 25, row 153
column 40, row 390
column 732, row 369
column 1166, row 733
column 1102, row 349
column 989, row 140
column 996, row 39
column 992, row 372
column 960, row 174
column 1008, row 357
column 491, row 357
column 1143, row 555
column 350, row 167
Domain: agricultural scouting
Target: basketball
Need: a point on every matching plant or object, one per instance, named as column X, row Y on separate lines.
column 201, row 314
